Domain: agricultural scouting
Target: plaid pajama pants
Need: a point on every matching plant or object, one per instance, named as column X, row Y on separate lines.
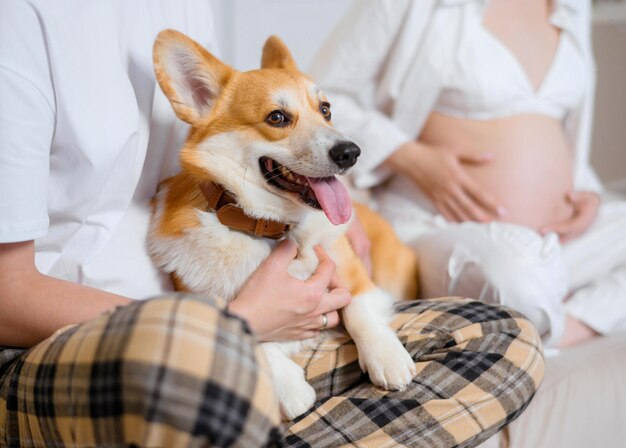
column 180, row 371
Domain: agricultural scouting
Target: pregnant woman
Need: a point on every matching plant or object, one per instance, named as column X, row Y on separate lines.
column 474, row 120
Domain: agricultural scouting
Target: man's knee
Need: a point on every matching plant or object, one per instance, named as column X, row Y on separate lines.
column 187, row 364
column 190, row 335
column 495, row 346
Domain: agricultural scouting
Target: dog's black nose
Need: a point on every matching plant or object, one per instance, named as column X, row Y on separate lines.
column 344, row 154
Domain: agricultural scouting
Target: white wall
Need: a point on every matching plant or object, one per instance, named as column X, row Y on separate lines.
column 609, row 132
column 243, row 26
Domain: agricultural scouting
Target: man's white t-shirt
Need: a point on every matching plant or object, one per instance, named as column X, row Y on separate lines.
column 86, row 134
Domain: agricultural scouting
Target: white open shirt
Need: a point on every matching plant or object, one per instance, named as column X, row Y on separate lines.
column 86, row 134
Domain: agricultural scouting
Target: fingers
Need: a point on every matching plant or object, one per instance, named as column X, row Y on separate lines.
column 567, row 234
column 333, row 319
column 283, row 254
column 571, row 197
column 483, row 199
column 332, row 301
column 565, row 230
column 585, row 202
column 337, row 282
column 585, row 205
column 308, row 334
column 566, row 238
column 473, row 158
column 446, row 212
column 466, row 201
column 577, row 197
column 559, row 228
column 478, row 205
column 312, row 326
column 470, row 210
column 561, row 231
column 316, row 323
column 455, row 210
column 325, row 271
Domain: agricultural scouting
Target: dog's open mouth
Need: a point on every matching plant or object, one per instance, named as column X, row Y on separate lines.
column 323, row 193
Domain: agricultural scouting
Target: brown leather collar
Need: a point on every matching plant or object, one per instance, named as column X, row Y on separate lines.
column 224, row 205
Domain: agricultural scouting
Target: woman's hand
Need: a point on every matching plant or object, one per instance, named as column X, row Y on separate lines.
column 360, row 243
column 439, row 172
column 279, row 307
column 586, row 204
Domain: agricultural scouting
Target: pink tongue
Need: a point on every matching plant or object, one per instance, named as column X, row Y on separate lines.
column 333, row 197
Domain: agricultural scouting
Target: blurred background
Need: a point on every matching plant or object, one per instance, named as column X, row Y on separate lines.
column 243, row 26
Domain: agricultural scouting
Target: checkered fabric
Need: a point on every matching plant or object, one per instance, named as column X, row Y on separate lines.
column 478, row 368
column 167, row 372
column 179, row 371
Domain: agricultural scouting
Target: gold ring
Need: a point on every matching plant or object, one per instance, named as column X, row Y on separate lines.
column 324, row 322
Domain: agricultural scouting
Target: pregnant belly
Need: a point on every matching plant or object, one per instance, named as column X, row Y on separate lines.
column 531, row 171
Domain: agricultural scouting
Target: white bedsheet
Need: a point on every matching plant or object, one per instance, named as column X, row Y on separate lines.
column 581, row 403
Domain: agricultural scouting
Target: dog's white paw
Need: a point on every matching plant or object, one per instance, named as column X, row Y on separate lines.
column 295, row 399
column 387, row 362
column 295, row 395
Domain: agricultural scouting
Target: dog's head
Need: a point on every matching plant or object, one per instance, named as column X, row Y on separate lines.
column 265, row 135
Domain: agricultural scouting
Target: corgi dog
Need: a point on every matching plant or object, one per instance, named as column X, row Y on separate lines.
column 259, row 165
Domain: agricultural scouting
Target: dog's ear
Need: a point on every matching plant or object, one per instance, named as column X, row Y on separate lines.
column 190, row 76
column 277, row 55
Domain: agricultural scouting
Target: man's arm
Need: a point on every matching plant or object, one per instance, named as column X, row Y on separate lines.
column 34, row 305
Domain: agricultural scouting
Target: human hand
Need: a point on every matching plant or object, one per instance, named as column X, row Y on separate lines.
column 586, row 204
column 439, row 172
column 360, row 243
column 279, row 307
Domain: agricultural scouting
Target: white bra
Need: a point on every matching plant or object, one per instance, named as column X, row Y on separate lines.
column 487, row 81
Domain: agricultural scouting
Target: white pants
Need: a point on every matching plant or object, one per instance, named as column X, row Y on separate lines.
column 516, row 266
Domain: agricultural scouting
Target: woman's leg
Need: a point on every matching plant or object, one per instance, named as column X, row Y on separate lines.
column 497, row 263
column 597, row 266
column 168, row 372
column 478, row 368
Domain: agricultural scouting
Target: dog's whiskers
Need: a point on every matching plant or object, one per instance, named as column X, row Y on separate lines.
column 273, row 177
column 277, row 169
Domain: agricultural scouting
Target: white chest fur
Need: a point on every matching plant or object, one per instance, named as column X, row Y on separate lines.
column 217, row 261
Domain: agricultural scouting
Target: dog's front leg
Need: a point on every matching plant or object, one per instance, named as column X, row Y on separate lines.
column 295, row 395
column 381, row 354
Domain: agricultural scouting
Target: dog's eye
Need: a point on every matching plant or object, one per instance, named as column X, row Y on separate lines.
column 325, row 111
column 277, row 118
